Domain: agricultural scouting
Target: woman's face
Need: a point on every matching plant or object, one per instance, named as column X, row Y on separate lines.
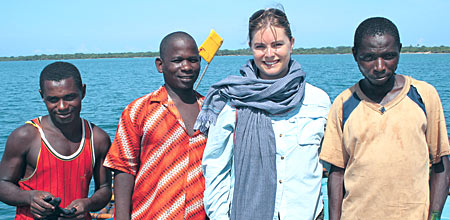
column 272, row 50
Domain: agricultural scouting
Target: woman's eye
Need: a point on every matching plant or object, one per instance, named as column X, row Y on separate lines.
column 260, row 46
column 278, row 45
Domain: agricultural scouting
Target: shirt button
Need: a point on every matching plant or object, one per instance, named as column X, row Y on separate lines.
column 281, row 181
column 282, row 157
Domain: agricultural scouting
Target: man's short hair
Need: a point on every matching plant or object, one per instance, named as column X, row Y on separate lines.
column 169, row 38
column 375, row 26
column 58, row 71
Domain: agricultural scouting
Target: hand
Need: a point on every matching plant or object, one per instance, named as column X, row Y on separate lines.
column 81, row 207
column 38, row 207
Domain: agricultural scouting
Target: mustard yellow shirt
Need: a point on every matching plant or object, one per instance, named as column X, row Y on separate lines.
column 386, row 150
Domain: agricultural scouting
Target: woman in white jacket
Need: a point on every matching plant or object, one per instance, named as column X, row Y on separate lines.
column 264, row 132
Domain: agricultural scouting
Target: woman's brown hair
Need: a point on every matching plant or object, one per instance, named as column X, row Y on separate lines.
column 266, row 18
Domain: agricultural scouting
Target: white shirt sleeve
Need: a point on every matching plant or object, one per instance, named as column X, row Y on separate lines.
column 217, row 165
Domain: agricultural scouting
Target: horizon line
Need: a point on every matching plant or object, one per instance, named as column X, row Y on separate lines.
column 241, row 49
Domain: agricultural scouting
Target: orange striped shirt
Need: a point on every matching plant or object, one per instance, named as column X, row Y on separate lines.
column 152, row 144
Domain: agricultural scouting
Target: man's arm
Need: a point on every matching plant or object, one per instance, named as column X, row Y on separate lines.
column 12, row 169
column 102, row 178
column 335, row 192
column 439, row 184
column 123, row 190
column 125, row 166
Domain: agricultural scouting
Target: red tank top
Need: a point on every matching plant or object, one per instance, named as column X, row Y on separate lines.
column 67, row 177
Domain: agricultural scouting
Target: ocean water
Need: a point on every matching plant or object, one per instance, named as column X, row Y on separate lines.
column 113, row 83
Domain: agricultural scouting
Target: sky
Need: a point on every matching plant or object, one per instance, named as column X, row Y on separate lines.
column 103, row 26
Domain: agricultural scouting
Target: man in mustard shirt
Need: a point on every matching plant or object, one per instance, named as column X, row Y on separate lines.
column 382, row 135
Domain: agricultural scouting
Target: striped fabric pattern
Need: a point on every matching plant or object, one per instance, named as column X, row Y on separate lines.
column 152, row 144
column 67, row 177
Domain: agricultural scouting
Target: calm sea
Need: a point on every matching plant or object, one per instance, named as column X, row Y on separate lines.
column 113, row 83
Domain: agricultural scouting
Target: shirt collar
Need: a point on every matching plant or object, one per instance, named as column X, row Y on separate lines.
column 162, row 96
column 164, row 99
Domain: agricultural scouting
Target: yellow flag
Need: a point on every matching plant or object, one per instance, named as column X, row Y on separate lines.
column 210, row 46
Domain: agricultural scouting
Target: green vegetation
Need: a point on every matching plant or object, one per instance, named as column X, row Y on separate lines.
column 225, row 52
column 80, row 56
column 346, row 50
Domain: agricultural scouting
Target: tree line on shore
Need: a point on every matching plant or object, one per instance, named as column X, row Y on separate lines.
column 225, row 52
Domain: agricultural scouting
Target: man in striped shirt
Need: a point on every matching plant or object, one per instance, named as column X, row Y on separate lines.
column 156, row 154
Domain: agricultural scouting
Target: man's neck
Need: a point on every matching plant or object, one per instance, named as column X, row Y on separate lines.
column 186, row 96
column 71, row 131
column 186, row 103
column 385, row 93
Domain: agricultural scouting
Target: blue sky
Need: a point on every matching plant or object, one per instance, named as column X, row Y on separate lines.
column 102, row 26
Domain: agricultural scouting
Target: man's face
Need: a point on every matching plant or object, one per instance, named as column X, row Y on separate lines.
column 180, row 64
column 377, row 58
column 63, row 100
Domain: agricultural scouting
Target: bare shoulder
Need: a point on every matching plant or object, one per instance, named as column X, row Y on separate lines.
column 21, row 152
column 22, row 139
column 102, row 140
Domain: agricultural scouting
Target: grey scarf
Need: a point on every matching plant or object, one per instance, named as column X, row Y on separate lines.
column 254, row 147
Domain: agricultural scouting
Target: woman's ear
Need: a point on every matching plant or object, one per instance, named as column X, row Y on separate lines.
column 292, row 43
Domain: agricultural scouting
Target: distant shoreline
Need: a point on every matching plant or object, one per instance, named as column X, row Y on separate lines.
column 225, row 52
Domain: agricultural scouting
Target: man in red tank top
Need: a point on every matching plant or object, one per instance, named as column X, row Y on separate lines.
column 54, row 155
